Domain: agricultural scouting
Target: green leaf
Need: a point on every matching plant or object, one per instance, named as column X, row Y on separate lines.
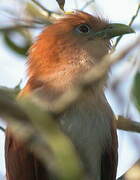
column 20, row 49
column 136, row 90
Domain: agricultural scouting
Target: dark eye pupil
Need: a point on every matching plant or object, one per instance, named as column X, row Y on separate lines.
column 84, row 29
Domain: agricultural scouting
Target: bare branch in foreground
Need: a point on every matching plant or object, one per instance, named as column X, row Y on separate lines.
column 130, row 24
column 15, row 27
column 2, row 129
column 44, row 9
column 41, row 134
column 127, row 124
column 9, row 107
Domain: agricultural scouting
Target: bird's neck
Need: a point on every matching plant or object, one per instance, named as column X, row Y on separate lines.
column 59, row 68
column 59, row 78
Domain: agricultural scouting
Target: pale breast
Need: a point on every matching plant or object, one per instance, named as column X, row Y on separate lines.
column 88, row 124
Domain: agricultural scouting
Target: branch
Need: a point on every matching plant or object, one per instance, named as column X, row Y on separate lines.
column 18, row 122
column 33, row 23
column 41, row 134
column 9, row 107
column 130, row 24
column 15, row 27
column 2, row 129
column 127, row 124
column 44, row 9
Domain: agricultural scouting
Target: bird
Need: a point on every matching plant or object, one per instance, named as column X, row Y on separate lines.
column 61, row 54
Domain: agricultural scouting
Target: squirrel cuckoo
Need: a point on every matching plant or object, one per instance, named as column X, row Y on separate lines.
column 61, row 54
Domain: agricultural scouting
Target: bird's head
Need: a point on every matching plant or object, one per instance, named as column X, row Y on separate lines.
column 71, row 45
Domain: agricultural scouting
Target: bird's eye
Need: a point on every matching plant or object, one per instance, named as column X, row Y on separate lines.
column 83, row 28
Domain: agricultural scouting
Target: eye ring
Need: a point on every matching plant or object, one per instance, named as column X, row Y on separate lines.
column 83, row 28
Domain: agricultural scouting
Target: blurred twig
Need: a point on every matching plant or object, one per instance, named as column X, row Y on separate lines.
column 9, row 107
column 19, row 123
column 130, row 24
column 134, row 17
column 15, row 27
column 44, row 9
column 131, row 66
column 34, row 22
column 2, row 129
column 61, row 4
column 41, row 134
column 127, row 124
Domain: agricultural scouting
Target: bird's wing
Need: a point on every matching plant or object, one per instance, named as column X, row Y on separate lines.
column 109, row 159
column 20, row 163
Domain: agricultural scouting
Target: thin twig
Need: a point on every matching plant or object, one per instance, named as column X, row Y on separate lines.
column 19, row 124
column 132, row 64
column 42, row 7
column 8, row 106
column 31, row 21
column 134, row 17
column 2, row 129
column 41, row 134
column 130, row 24
column 10, row 28
column 45, row 9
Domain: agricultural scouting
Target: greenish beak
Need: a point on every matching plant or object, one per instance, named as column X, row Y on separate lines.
column 113, row 30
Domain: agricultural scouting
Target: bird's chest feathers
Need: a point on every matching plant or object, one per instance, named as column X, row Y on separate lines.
column 87, row 123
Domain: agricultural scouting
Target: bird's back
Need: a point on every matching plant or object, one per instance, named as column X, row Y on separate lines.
column 20, row 163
